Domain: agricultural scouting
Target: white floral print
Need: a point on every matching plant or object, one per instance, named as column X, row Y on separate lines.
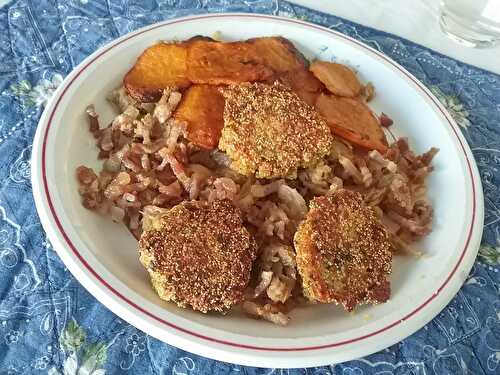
column 41, row 363
column 40, row 94
column 82, row 358
column 490, row 254
column 135, row 345
column 454, row 106
column 43, row 91
column 12, row 337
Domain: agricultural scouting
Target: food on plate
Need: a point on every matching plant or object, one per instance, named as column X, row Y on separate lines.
column 352, row 120
column 343, row 251
column 266, row 195
column 279, row 54
column 160, row 66
column 337, row 78
column 202, row 109
column 225, row 63
column 199, row 255
column 289, row 65
column 303, row 82
column 270, row 132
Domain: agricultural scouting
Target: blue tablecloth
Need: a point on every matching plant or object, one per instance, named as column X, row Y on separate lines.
column 50, row 324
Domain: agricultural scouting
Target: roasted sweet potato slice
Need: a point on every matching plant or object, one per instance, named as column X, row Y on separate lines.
column 159, row 66
column 352, row 120
column 202, row 108
column 279, row 54
column 217, row 63
column 304, row 83
column 338, row 78
column 289, row 65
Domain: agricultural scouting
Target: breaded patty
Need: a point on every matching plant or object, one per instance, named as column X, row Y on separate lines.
column 343, row 251
column 198, row 255
column 268, row 130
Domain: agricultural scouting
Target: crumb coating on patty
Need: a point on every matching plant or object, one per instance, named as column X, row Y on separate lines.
column 200, row 255
column 268, row 130
column 343, row 251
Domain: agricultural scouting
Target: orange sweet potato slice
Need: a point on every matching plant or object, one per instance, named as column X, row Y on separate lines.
column 159, row 66
column 289, row 65
column 202, row 108
column 338, row 78
column 352, row 120
column 303, row 83
column 279, row 54
column 217, row 63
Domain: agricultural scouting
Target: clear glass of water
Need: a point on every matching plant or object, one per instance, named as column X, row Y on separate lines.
column 473, row 23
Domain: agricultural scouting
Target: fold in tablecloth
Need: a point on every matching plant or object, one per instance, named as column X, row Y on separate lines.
column 50, row 324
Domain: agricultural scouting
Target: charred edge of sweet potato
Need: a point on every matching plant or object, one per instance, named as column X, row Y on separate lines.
column 197, row 38
column 143, row 94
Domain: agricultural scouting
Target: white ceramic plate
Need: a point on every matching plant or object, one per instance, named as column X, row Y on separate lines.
column 103, row 257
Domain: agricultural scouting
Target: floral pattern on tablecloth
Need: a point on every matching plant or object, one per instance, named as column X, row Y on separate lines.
column 49, row 324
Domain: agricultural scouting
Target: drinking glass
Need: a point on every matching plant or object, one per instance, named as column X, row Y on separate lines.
column 473, row 23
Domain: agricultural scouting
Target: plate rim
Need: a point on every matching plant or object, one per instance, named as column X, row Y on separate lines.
column 474, row 232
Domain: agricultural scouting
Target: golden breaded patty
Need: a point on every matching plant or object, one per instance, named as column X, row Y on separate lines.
column 343, row 251
column 268, row 130
column 199, row 255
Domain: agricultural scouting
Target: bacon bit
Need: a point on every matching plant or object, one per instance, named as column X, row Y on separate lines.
column 415, row 226
column 164, row 162
column 137, row 187
column 261, row 191
column 265, row 312
column 171, row 191
column 103, row 155
column 265, row 280
column 351, row 170
column 181, row 153
column 145, row 163
column 427, row 157
column 179, row 171
column 130, row 162
column 336, row 184
column 367, row 178
column 85, row 175
column 280, row 288
column 89, row 203
column 388, row 164
column 106, row 142
column 385, row 120
column 93, row 118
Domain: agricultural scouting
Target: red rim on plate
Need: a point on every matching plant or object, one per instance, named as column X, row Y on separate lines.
column 224, row 342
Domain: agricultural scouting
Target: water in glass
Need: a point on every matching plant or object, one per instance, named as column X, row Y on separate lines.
column 474, row 23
